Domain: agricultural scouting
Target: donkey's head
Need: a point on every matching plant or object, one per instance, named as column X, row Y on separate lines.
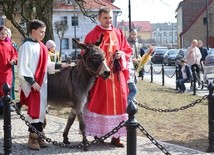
column 94, row 59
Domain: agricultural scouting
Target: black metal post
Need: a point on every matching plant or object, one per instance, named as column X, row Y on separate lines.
column 194, row 81
column 211, row 118
column 207, row 26
column 7, row 120
column 176, row 75
column 131, row 126
column 163, row 78
column 130, row 21
column 151, row 68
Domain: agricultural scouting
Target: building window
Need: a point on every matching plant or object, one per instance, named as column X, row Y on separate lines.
column 74, row 46
column 65, row 43
column 64, row 19
column 74, row 21
column 1, row 21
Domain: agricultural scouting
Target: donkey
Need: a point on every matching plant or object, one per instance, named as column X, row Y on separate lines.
column 70, row 86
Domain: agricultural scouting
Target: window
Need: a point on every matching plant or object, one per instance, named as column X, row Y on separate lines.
column 1, row 21
column 74, row 21
column 65, row 43
column 64, row 19
column 74, row 44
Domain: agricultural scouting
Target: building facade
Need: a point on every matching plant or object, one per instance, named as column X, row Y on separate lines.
column 78, row 24
column 192, row 22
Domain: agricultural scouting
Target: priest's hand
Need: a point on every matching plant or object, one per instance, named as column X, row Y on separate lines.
column 36, row 86
column 118, row 54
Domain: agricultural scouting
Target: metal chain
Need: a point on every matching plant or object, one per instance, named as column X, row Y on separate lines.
column 168, row 75
column 147, row 71
column 157, row 72
column 115, row 130
column 79, row 146
column 153, row 140
column 175, row 109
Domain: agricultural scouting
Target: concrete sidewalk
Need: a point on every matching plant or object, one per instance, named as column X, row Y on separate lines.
column 170, row 82
column 54, row 130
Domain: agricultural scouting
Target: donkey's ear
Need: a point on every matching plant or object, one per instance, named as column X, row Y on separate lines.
column 99, row 40
column 79, row 44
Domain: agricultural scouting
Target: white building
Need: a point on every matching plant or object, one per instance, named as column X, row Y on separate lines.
column 78, row 24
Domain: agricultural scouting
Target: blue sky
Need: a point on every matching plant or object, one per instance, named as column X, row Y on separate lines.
column 149, row 10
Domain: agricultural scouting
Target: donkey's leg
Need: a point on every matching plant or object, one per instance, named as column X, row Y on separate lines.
column 70, row 121
column 82, row 128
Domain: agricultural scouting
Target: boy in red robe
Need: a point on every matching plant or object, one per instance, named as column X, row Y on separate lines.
column 107, row 102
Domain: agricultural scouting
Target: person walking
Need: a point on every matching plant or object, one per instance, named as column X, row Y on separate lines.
column 136, row 56
column 33, row 65
column 193, row 59
column 204, row 53
column 107, row 101
column 8, row 58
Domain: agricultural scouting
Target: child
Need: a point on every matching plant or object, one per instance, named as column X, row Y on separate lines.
column 54, row 55
column 8, row 57
column 33, row 64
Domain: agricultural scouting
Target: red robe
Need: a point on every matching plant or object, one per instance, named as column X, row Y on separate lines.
column 109, row 97
column 7, row 53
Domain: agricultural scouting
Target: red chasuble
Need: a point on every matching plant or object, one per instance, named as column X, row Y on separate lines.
column 109, row 97
column 33, row 100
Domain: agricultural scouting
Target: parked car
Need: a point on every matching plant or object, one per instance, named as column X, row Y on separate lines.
column 157, row 57
column 169, row 57
column 181, row 54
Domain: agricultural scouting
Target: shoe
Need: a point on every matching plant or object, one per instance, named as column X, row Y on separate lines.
column 116, row 142
column 101, row 141
column 33, row 141
column 181, row 91
column 42, row 142
column 18, row 107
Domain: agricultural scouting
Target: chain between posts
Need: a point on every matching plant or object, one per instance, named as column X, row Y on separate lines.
column 175, row 109
column 153, row 140
column 96, row 141
column 156, row 71
column 79, row 146
column 168, row 75
column 147, row 71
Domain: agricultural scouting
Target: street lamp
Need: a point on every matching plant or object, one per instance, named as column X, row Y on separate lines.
column 158, row 40
column 172, row 33
column 130, row 21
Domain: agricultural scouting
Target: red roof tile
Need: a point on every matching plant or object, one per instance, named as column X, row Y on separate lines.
column 139, row 25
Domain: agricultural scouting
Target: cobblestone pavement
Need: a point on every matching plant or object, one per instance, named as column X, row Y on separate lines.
column 54, row 131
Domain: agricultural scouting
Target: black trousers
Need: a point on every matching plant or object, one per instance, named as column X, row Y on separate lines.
column 38, row 126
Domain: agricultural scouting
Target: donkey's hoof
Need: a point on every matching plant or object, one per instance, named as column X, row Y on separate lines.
column 66, row 141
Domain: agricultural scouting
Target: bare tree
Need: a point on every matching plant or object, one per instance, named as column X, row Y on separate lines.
column 60, row 27
column 27, row 10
